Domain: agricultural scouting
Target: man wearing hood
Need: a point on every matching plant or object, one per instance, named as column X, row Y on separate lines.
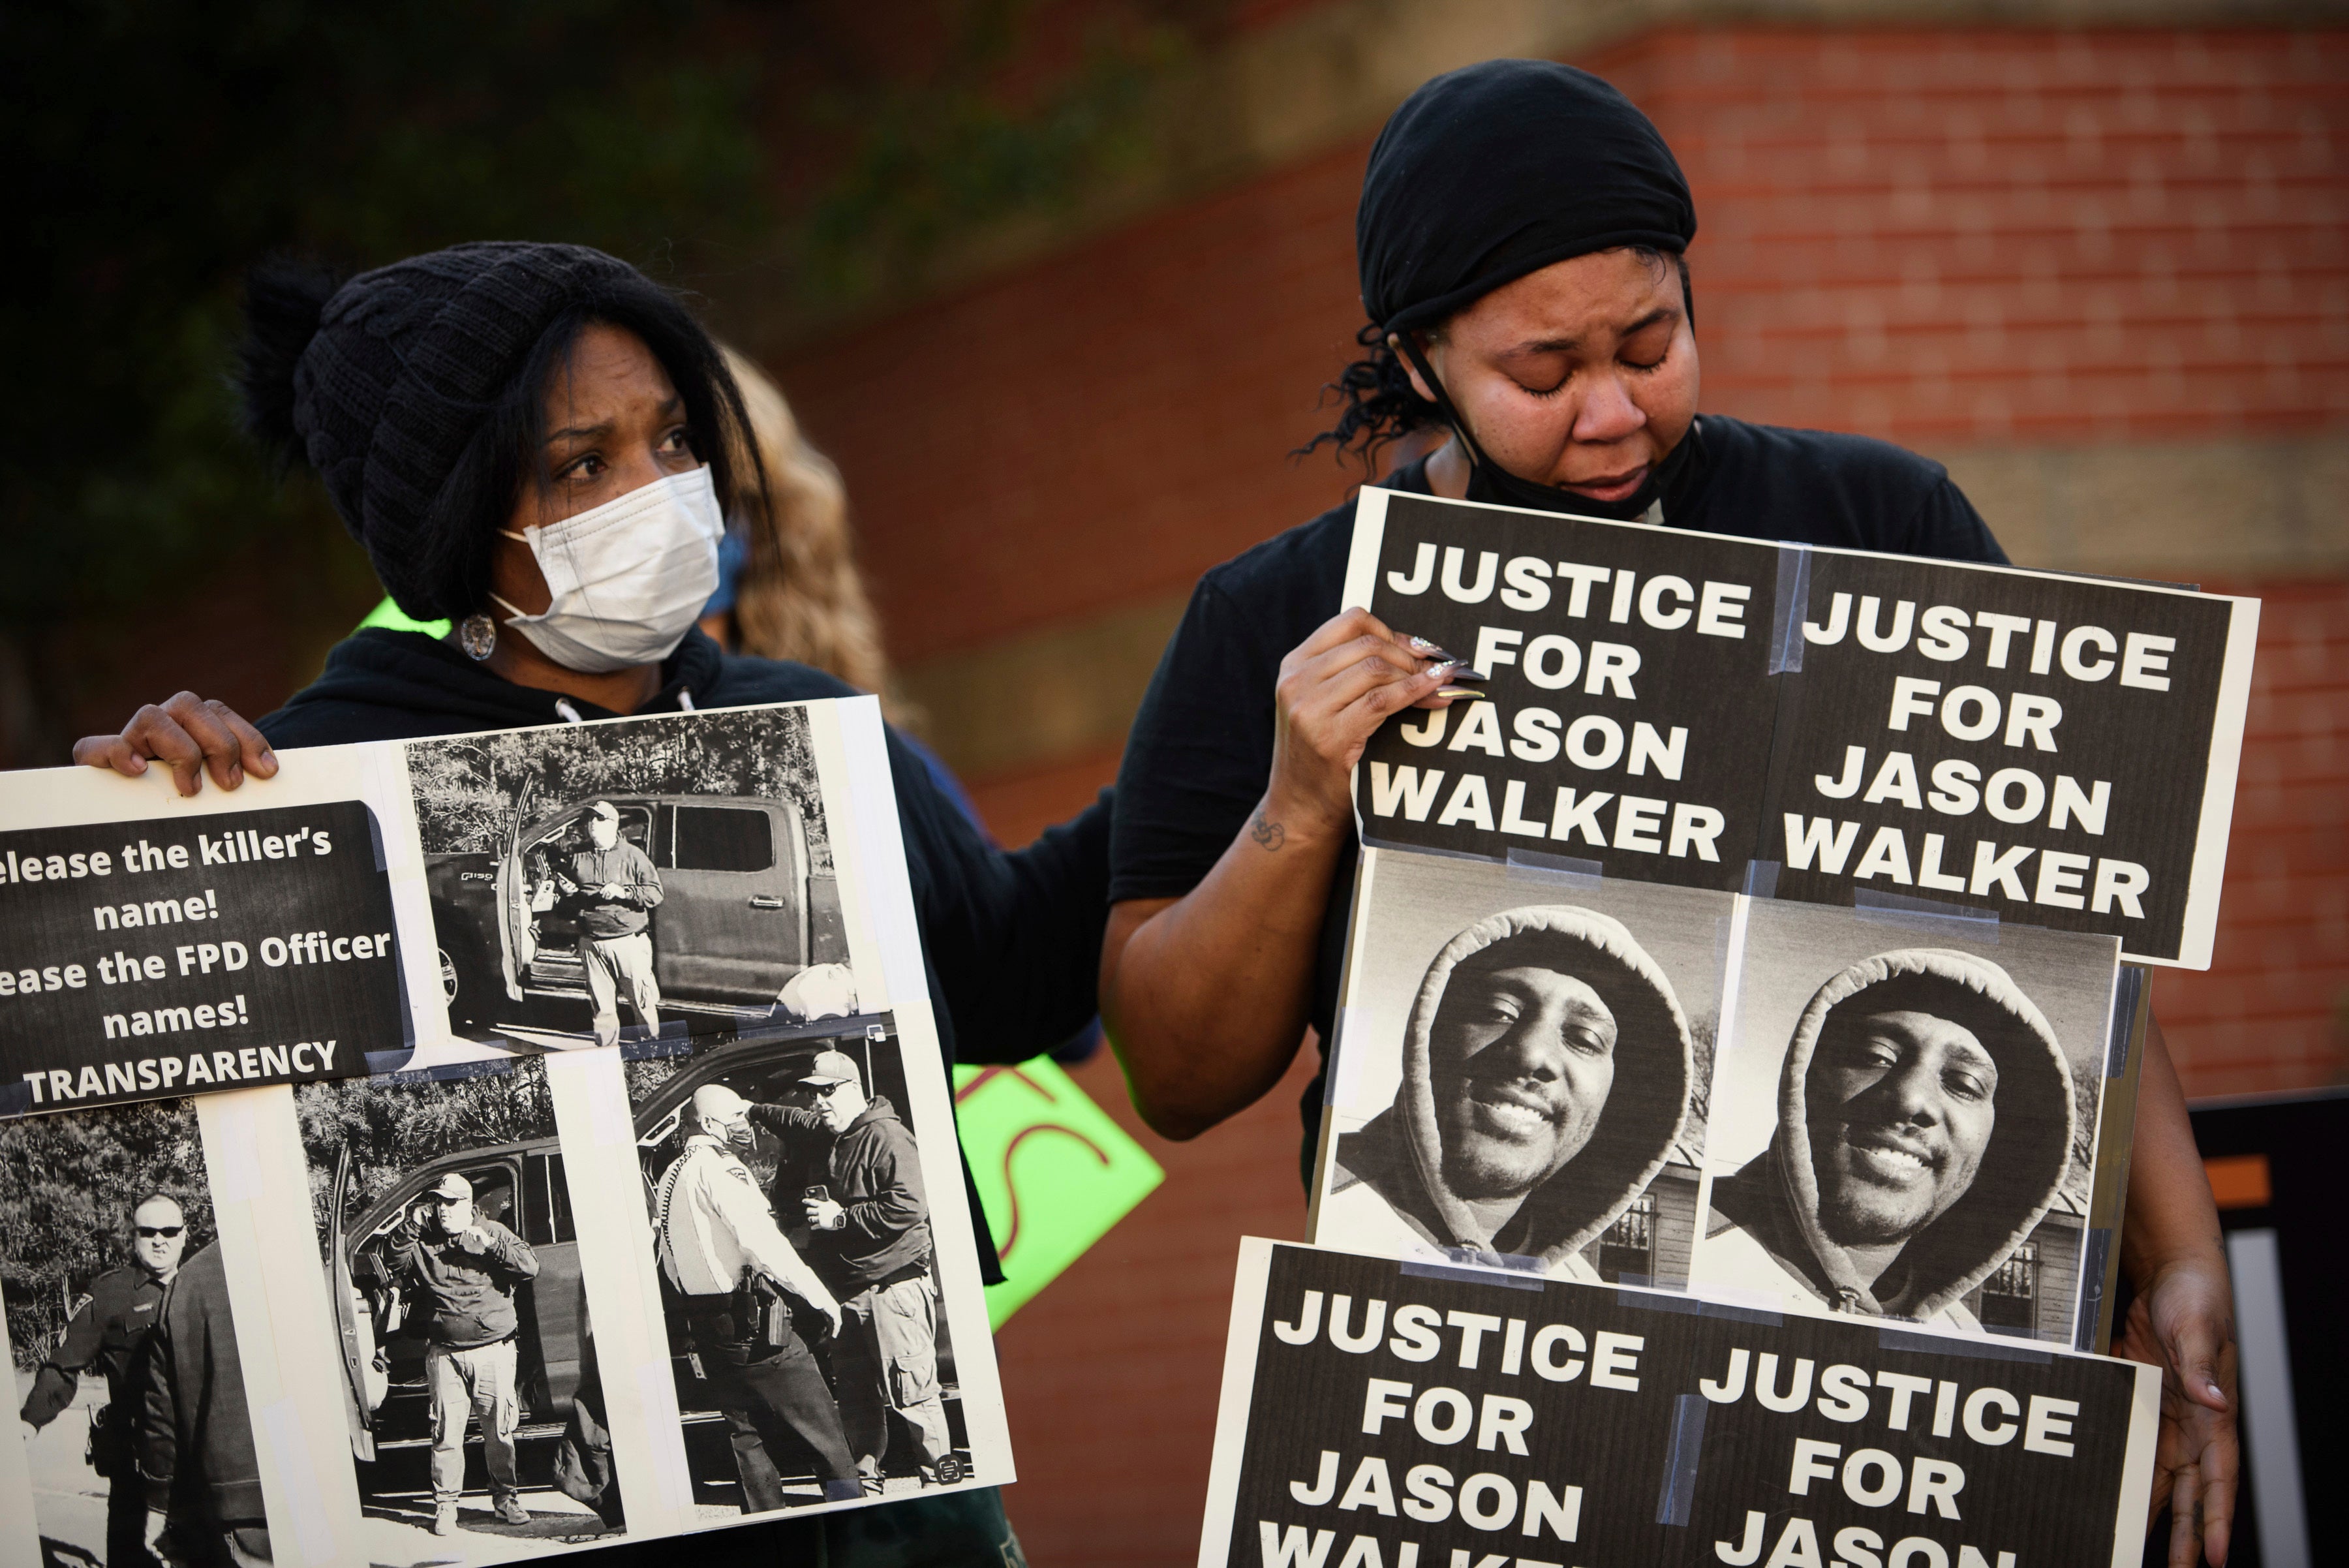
column 1924, row 1127
column 852, row 1168
column 1546, row 1077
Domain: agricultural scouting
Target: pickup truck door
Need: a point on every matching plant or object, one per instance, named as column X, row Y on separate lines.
column 362, row 1384
column 517, row 937
column 558, row 1297
column 733, row 923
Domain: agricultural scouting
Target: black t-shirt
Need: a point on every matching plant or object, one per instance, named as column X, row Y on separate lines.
column 1200, row 752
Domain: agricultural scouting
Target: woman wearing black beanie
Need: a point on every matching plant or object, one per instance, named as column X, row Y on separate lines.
column 1521, row 242
column 538, row 443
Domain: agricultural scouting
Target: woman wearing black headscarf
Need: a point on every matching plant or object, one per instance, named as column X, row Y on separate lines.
column 538, row 443
column 1521, row 239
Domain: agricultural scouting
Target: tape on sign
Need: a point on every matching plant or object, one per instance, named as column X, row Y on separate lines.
column 1792, row 608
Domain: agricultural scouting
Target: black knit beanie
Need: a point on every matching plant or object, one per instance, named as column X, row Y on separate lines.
column 391, row 375
column 1499, row 170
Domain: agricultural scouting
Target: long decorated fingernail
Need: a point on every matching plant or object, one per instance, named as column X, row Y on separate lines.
column 1420, row 646
column 1459, row 691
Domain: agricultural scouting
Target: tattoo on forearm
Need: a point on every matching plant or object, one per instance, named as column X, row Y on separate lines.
column 1269, row 833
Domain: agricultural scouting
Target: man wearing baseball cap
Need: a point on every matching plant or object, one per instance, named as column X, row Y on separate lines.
column 869, row 1238
column 463, row 1267
column 617, row 890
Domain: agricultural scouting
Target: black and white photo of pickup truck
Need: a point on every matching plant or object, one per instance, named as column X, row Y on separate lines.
column 377, row 1148
column 727, row 809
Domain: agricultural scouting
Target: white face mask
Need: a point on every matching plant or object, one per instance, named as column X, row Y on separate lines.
column 629, row 578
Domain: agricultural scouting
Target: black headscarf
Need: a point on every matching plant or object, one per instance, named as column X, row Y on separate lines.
column 1495, row 170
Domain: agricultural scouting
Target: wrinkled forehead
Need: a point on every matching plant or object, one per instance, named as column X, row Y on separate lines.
column 159, row 1211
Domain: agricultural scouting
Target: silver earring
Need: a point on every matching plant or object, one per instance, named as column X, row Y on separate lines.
column 477, row 634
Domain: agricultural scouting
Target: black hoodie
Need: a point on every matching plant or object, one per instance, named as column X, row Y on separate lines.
column 1011, row 942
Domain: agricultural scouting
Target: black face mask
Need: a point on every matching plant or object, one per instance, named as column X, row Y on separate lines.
column 1489, row 482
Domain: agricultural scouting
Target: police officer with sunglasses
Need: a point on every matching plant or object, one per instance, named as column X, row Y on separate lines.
column 109, row 1331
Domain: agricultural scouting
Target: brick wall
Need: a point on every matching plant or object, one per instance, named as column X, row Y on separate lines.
column 1960, row 237
column 2273, row 1011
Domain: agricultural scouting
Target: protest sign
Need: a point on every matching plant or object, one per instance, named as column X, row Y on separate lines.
column 1975, row 1173
column 1631, row 1082
column 570, row 1182
column 2059, row 750
column 1448, row 1126
column 421, row 903
column 1730, row 713
column 1631, row 697
column 1378, row 1414
column 158, row 955
column 1054, row 1172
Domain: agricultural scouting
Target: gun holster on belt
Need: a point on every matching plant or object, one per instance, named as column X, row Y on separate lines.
column 761, row 1315
column 103, row 1450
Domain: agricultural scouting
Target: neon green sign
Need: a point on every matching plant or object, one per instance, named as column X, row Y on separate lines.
column 391, row 617
column 1054, row 1172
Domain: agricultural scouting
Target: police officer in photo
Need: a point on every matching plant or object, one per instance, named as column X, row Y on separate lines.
column 615, row 890
column 464, row 1266
column 109, row 1331
column 850, row 1167
column 719, row 1244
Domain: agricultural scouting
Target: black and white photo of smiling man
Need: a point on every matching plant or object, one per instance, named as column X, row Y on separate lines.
column 1521, row 1068
column 1545, row 1078
column 1928, row 1142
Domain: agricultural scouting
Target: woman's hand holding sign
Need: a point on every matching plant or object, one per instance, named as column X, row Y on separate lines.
column 1336, row 687
column 1205, row 996
column 189, row 734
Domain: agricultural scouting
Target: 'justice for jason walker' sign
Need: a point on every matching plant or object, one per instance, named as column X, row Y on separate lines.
column 1730, row 713
column 1379, row 1414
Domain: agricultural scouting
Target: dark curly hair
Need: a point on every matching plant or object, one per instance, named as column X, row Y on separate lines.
column 1378, row 406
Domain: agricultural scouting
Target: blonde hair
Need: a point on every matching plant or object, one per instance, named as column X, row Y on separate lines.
column 800, row 597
